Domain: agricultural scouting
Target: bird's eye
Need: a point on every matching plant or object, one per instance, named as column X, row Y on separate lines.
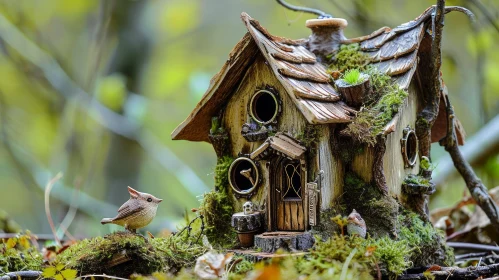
column 149, row 199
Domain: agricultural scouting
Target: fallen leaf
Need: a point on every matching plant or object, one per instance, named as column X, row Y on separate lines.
column 49, row 272
column 11, row 243
column 69, row 274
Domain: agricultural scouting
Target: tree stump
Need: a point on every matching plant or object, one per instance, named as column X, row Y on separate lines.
column 290, row 241
column 355, row 95
column 246, row 225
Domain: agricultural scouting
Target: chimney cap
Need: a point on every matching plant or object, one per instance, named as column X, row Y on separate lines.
column 327, row 22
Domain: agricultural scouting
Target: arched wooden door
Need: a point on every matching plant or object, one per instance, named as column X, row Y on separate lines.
column 287, row 195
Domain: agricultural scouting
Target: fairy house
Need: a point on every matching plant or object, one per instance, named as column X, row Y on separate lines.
column 276, row 108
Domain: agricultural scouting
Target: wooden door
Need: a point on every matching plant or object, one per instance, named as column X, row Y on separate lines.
column 289, row 190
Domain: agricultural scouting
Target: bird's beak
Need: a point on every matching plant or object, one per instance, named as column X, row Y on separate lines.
column 159, row 200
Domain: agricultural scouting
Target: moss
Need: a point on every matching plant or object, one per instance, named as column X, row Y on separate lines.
column 423, row 123
column 348, row 57
column 217, row 208
column 334, row 252
column 122, row 254
column 243, row 267
column 416, row 180
column 381, row 106
column 346, row 149
column 428, row 242
column 222, row 174
column 326, row 226
column 18, row 254
column 378, row 210
column 309, row 138
column 379, row 110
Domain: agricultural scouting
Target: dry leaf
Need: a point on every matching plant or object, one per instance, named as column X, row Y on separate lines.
column 212, row 265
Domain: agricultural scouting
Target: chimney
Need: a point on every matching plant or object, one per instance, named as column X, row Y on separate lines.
column 327, row 34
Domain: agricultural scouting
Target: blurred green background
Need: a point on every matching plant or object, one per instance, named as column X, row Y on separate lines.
column 93, row 89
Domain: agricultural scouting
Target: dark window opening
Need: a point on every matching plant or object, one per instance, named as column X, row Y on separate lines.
column 291, row 181
column 411, row 147
column 243, row 175
column 264, row 106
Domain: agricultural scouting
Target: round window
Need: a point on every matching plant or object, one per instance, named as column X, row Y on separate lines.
column 243, row 175
column 264, row 107
column 409, row 147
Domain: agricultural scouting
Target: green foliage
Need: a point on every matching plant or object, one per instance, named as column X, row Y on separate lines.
column 18, row 254
column 112, row 91
column 352, row 76
column 217, row 207
column 59, row 272
column 7, row 224
column 159, row 254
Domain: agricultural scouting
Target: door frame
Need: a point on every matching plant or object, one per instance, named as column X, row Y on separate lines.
column 274, row 173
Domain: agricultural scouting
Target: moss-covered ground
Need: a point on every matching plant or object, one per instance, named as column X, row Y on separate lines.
column 18, row 253
column 123, row 253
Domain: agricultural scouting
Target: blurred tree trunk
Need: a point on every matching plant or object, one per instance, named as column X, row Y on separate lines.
column 123, row 162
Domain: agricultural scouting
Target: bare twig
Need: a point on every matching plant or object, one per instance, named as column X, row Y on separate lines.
column 320, row 13
column 473, row 246
column 48, row 188
column 477, row 190
column 73, row 207
column 22, row 275
column 456, row 273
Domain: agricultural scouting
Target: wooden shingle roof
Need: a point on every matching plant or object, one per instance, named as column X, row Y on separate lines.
column 393, row 51
column 304, row 78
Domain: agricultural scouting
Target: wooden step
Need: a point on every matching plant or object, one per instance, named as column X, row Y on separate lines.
column 270, row 242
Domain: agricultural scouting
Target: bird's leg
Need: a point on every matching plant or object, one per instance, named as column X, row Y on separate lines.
column 134, row 231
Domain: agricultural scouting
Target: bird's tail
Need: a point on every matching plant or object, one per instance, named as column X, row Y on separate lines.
column 106, row 221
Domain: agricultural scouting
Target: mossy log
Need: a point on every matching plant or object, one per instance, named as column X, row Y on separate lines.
column 122, row 254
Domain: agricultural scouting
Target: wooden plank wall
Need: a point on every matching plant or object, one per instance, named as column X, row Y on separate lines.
column 236, row 114
column 332, row 181
column 393, row 163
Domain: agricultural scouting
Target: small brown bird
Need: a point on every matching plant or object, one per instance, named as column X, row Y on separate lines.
column 356, row 225
column 137, row 212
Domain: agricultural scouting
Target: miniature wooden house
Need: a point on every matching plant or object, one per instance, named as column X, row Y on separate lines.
column 282, row 119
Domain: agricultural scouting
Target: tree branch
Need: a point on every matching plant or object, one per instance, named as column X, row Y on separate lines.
column 477, row 190
column 482, row 145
